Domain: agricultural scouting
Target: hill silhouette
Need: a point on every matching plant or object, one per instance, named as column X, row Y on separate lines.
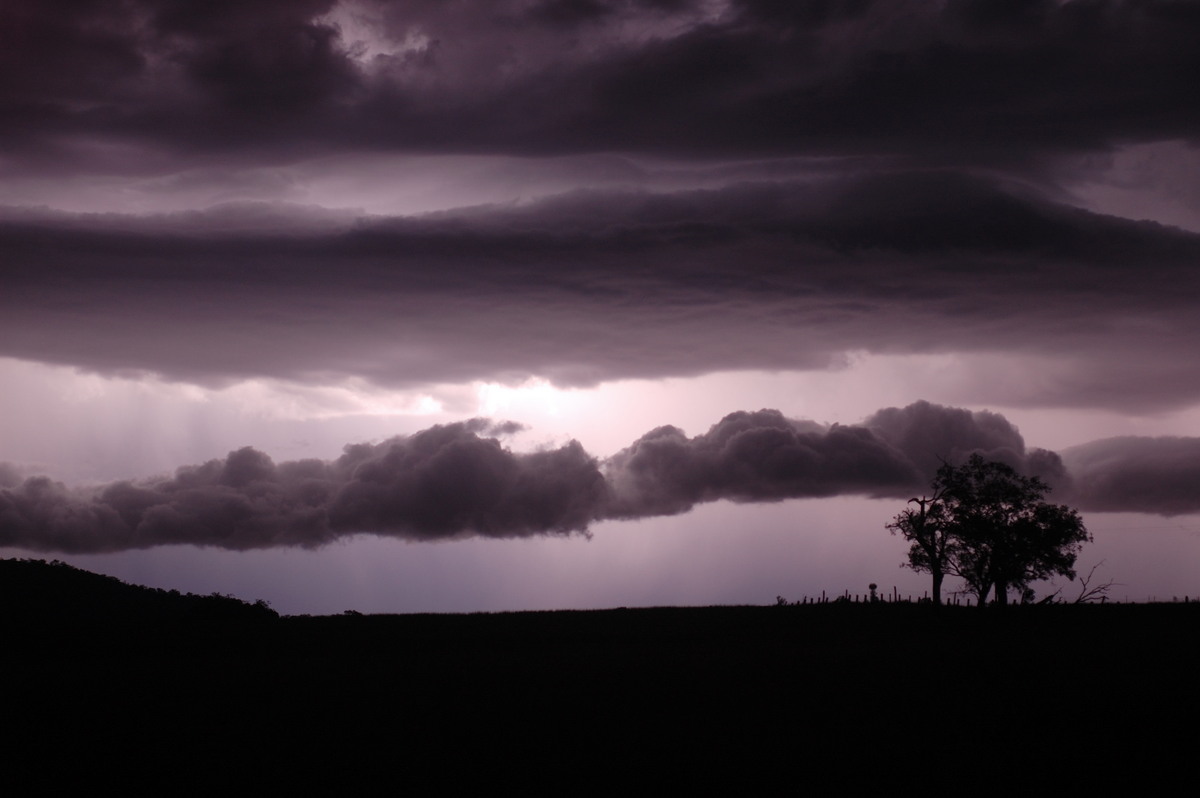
column 35, row 591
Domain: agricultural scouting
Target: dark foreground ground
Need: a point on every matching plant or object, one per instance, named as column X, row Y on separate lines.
column 223, row 698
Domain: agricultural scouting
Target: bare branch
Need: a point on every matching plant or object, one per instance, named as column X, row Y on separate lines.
column 1090, row 593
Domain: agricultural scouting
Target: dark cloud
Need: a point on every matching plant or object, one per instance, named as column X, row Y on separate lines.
column 454, row 480
column 930, row 435
column 747, row 457
column 1145, row 475
column 596, row 286
column 148, row 74
column 440, row 483
column 447, row 480
column 966, row 80
column 570, row 13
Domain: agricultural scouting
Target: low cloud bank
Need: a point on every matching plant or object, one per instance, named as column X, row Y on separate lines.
column 1133, row 474
column 458, row 480
column 442, row 482
column 759, row 456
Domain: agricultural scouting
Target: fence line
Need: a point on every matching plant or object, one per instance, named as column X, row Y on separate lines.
column 952, row 600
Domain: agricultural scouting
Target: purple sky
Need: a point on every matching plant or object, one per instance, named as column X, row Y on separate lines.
column 405, row 306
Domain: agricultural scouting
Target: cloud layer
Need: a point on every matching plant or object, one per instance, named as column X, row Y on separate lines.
column 590, row 287
column 877, row 133
column 1133, row 474
column 979, row 80
column 458, row 480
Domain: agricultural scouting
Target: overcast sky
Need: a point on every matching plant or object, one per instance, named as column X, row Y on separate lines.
column 409, row 306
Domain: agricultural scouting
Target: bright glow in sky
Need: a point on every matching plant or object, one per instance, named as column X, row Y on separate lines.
column 84, row 426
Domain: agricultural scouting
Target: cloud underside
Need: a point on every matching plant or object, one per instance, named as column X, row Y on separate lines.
column 977, row 80
column 455, row 480
column 588, row 287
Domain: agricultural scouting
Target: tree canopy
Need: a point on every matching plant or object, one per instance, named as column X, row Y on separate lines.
column 993, row 528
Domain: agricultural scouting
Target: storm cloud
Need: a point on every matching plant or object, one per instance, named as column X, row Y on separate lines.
column 1137, row 474
column 759, row 456
column 440, row 483
column 965, row 80
column 457, row 480
column 596, row 286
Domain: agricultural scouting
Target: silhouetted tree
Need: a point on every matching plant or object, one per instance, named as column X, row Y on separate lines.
column 993, row 528
column 924, row 526
column 1001, row 532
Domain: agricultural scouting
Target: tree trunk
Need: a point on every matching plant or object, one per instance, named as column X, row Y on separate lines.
column 1002, row 594
column 983, row 592
column 938, row 576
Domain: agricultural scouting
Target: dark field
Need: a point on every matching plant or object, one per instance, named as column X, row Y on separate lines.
column 105, row 683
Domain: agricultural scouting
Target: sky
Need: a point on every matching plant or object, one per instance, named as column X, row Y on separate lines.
column 533, row 304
